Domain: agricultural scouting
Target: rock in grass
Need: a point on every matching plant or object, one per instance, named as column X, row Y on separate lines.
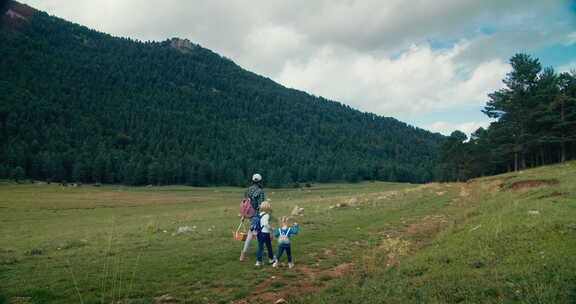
column 165, row 299
column 339, row 205
column 297, row 211
column 353, row 202
column 184, row 229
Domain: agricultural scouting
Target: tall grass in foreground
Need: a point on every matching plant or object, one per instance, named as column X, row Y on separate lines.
column 511, row 240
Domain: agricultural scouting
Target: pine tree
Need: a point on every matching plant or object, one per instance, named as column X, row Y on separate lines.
column 564, row 110
column 513, row 104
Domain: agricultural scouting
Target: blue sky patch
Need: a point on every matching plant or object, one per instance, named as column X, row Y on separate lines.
column 555, row 55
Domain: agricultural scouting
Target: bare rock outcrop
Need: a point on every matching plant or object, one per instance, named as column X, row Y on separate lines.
column 183, row 45
column 14, row 15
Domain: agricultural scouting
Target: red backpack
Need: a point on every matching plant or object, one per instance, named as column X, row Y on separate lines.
column 246, row 209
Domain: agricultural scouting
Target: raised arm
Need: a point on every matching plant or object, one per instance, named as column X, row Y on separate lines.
column 295, row 229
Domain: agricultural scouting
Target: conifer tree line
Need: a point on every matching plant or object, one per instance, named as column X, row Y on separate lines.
column 535, row 124
column 77, row 105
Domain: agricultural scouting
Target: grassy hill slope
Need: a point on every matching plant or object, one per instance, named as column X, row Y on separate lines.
column 509, row 239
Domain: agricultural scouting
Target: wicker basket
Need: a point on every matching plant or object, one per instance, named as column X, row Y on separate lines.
column 239, row 236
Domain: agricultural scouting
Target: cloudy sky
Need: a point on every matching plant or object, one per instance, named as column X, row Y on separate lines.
column 429, row 63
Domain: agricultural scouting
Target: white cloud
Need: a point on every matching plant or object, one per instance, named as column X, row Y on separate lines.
column 420, row 80
column 265, row 47
column 369, row 26
column 468, row 128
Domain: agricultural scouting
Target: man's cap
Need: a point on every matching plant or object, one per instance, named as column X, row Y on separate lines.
column 256, row 177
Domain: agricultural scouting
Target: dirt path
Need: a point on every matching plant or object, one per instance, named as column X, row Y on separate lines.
column 307, row 283
column 310, row 278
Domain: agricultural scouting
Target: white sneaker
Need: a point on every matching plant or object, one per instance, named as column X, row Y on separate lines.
column 290, row 265
column 271, row 261
column 275, row 264
column 258, row 264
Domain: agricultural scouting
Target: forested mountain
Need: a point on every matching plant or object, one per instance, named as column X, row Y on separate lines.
column 535, row 125
column 80, row 105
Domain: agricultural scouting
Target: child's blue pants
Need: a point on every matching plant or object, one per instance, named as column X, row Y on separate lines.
column 288, row 250
column 264, row 239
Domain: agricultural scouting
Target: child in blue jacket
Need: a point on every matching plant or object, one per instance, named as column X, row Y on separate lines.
column 283, row 235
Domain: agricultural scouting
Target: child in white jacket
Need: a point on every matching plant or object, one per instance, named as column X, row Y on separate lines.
column 264, row 234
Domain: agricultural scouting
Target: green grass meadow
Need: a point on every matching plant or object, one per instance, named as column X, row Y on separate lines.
column 511, row 239
column 113, row 243
column 501, row 239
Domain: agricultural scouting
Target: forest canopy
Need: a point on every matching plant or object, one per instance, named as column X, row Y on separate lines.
column 82, row 106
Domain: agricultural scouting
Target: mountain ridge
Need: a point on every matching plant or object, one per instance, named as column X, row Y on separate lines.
column 147, row 102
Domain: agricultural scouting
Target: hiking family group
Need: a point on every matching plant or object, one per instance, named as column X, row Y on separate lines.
column 255, row 209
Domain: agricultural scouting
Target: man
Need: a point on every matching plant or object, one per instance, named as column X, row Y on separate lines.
column 256, row 195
